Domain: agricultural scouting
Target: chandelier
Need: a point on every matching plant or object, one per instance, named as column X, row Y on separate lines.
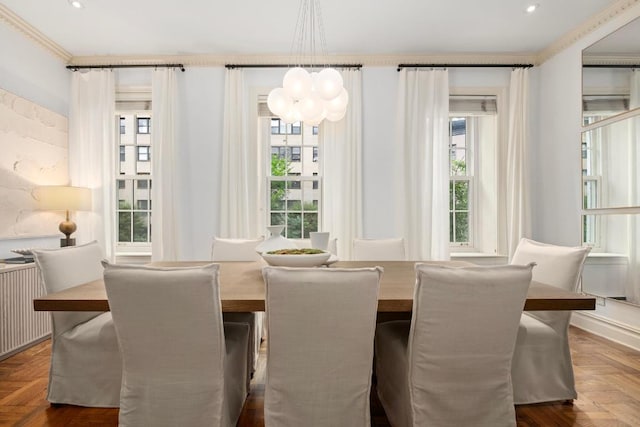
column 309, row 97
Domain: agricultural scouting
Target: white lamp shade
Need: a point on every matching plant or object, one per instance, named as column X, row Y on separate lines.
column 297, row 83
column 311, row 106
column 335, row 116
column 292, row 114
column 329, row 83
column 278, row 101
column 63, row 198
column 338, row 103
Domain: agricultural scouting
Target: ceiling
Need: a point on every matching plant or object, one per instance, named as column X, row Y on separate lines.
column 263, row 27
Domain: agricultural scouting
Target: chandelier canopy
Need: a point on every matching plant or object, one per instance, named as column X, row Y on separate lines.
column 312, row 96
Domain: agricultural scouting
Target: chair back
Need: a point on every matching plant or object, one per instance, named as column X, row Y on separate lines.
column 321, row 325
column 461, row 341
column 64, row 268
column 169, row 327
column 559, row 266
column 224, row 249
column 379, row 249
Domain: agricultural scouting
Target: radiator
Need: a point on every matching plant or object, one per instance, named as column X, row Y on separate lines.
column 20, row 325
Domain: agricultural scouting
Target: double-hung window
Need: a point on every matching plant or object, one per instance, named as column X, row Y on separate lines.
column 472, row 178
column 134, row 178
column 293, row 176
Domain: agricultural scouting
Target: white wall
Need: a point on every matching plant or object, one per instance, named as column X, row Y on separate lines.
column 29, row 71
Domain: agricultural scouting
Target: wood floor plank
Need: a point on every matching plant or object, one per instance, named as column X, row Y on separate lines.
column 607, row 379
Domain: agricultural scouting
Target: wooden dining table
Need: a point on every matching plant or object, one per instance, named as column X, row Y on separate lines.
column 242, row 289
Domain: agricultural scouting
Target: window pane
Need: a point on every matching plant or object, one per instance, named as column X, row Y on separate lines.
column 124, row 226
column 452, row 223
column 140, row 226
column 278, row 193
column 462, row 227
column 310, row 223
column 294, row 226
column 294, row 205
column 461, row 195
column 277, row 219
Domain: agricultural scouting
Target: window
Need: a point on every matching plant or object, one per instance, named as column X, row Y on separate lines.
column 314, row 130
column 134, row 180
column 591, row 181
column 459, row 183
column 144, row 125
column 144, row 153
column 473, row 124
column 293, row 179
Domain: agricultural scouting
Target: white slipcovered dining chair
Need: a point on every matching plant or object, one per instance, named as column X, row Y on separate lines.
column 86, row 367
column 225, row 249
column 450, row 365
column 181, row 365
column 321, row 325
column 542, row 368
column 379, row 249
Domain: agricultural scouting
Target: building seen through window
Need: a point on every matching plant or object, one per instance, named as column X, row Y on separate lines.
column 293, row 177
column 134, row 181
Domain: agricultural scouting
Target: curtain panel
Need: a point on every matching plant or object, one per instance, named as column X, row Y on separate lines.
column 341, row 148
column 240, row 172
column 164, row 218
column 517, row 178
column 91, row 154
column 423, row 169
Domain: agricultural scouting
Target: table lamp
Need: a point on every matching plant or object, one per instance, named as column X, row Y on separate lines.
column 64, row 198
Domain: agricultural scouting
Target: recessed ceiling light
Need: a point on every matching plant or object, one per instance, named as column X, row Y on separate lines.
column 76, row 3
column 532, row 8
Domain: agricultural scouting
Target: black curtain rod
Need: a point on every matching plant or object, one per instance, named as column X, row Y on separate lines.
column 611, row 66
column 401, row 66
column 83, row 67
column 232, row 66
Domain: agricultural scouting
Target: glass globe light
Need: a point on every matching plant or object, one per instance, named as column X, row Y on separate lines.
column 329, row 83
column 311, row 106
column 315, row 121
column 278, row 101
column 293, row 114
column 297, row 83
column 338, row 103
column 334, row 116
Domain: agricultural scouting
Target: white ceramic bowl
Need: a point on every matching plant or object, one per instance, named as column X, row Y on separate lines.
column 301, row 260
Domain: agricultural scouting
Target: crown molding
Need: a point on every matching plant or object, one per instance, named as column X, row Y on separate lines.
column 31, row 32
column 365, row 60
column 585, row 28
column 611, row 60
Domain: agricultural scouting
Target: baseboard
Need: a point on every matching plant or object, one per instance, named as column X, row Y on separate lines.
column 607, row 328
column 24, row 347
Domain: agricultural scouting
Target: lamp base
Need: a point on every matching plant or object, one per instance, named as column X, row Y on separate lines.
column 67, row 241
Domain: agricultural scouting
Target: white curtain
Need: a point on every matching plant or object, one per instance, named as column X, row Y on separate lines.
column 164, row 216
column 239, row 201
column 341, row 156
column 632, row 291
column 423, row 169
column 91, row 154
column 517, row 179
